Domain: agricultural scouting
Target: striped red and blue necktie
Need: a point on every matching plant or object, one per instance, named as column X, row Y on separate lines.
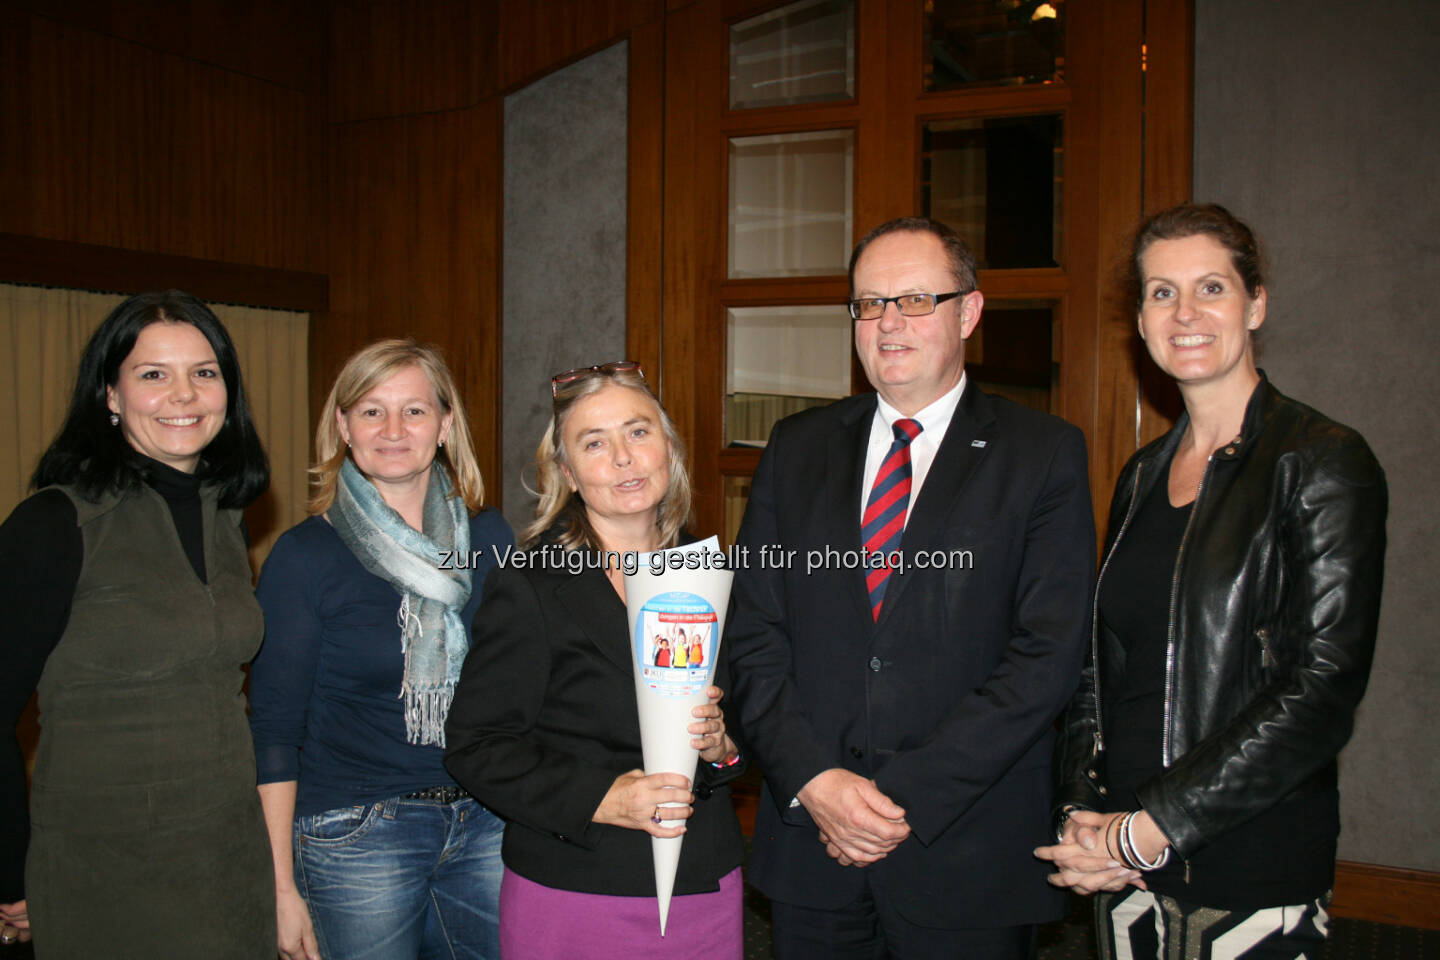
column 884, row 519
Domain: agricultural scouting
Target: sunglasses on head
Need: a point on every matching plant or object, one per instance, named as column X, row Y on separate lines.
column 580, row 373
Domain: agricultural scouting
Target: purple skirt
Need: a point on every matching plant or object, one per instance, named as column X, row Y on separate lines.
column 540, row 923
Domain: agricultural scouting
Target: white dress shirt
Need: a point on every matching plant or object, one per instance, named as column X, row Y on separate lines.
column 934, row 421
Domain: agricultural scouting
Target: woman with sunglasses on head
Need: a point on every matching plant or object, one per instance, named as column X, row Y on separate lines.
column 379, row 855
column 1234, row 628
column 127, row 597
column 544, row 727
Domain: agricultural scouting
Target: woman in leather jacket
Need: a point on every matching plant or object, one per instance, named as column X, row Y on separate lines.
column 1234, row 628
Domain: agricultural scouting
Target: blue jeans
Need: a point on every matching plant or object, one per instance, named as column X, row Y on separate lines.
column 402, row 879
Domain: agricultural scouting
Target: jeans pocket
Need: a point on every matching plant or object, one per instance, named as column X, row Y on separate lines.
column 341, row 825
column 483, row 821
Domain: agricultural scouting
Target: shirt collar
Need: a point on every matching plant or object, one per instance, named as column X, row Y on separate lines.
column 933, row 418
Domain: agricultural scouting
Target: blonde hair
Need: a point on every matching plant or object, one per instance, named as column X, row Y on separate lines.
column 560, row 504
column 363, row 372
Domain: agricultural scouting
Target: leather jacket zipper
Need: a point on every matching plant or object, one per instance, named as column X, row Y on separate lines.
column 1165, row 758
column 1095, row 604
column 1267, row 656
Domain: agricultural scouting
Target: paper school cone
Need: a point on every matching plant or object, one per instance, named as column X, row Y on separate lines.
column 670, row 609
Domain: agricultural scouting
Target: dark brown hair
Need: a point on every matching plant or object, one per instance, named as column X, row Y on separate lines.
column 962, row 261
column 1188, row 220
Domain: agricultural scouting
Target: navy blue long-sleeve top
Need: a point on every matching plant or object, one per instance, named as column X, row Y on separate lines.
column 325, row 704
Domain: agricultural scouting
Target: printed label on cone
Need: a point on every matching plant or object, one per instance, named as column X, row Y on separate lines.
column 675, row 638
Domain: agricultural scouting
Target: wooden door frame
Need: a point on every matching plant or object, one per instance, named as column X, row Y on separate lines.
column 1128, row 108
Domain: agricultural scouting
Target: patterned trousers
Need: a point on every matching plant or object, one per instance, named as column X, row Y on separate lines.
column 1135, row 924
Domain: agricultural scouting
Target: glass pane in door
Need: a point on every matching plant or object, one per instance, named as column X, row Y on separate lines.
column 1015, row 352
column 791, row 204
column 997, row 182
column 800, row 53
column 779, row 361
column 978, row 42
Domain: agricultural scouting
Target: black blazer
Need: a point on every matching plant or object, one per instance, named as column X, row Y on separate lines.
column 544, row 720
column 949, row 701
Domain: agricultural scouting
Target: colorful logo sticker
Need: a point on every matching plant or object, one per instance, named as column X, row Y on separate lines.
column 675, row 638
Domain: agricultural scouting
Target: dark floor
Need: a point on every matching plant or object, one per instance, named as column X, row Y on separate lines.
column 1073, row 938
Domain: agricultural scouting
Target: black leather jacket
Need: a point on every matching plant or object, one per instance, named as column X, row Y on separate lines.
column 1273, row 612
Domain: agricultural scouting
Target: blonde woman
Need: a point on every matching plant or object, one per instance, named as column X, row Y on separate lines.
column 368, row 607
column 545, row 726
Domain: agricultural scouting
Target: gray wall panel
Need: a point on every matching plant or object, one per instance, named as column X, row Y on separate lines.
column 564, row 261
column 1316, row 122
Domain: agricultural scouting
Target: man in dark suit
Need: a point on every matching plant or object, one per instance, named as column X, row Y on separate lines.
column 903, row 710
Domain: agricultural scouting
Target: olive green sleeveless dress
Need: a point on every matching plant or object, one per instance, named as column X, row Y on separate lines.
column 147, row 838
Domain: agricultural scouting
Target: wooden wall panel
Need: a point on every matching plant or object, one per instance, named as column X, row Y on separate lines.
column 901, row 85
column 410, row 56
column 415, row 227
column 280, row 41
column 1142, row 125
column 1393, row 895
column 645, row 197
column 111, row 143
column 1169, row 102
column 872, row 140
column 1169, row 149
column 59, row 263
column 694, row 344
column 16, row 109
column 543, row 35
column 1118, row 185
column 1080, row 341
column 416, row 106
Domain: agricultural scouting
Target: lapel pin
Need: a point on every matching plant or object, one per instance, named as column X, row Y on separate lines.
column 977, row 443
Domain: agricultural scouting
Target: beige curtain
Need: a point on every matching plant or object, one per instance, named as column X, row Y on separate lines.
column 42, row 332
column 274, row 360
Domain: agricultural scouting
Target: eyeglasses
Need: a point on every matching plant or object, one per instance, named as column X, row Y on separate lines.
column 910, row 304
column 580, row 373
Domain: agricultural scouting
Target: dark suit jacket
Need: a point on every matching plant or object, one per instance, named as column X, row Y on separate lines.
column 544, row 720
column 949, row 701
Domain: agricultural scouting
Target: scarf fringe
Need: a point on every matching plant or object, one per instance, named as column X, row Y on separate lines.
column 425, row 712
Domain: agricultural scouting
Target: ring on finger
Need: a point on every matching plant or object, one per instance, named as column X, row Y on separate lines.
column 655, row 817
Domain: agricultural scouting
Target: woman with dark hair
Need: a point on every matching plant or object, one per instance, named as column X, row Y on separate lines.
column 368, row 606
column 1234, row 627
column 127, row 587
column 545, row 727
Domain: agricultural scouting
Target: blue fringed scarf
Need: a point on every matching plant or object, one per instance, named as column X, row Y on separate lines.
column 433, row 637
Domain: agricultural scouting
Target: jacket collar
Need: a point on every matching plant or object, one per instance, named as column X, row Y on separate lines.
column 966, row 441
column 594, row 604
column 964, row 446
column 1162, row 450
column 845, row 473
column 1257, row 411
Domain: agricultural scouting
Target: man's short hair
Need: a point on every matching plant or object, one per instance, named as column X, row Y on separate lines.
column 962, row 261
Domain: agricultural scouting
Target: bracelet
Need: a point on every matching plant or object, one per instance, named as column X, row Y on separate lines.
column 722, row 764
column 1109, row 829
column 1133, row 858
column 1122, row 838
